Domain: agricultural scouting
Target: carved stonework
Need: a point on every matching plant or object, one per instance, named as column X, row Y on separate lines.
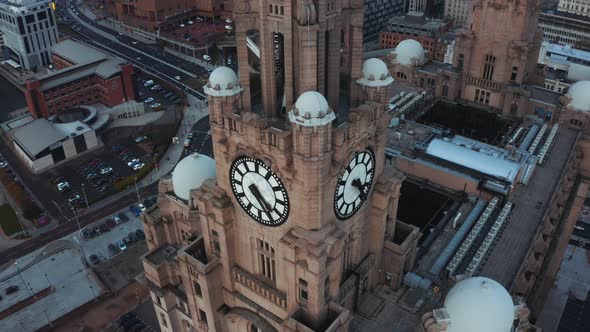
column 241, row 7
column 356, row 3
column 306, row 13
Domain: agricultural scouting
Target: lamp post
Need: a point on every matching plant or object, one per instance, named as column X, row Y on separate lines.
column 20, row 223
column 137, row 191
column 85, row 198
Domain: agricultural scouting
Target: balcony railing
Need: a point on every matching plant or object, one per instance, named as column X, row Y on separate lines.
column 486, row 84
column 244, row 278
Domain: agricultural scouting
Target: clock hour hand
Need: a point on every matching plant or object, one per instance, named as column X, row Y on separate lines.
column 256, row 193
column 361, row 187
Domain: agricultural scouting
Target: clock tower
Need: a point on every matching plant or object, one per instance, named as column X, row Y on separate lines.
column 298, row 224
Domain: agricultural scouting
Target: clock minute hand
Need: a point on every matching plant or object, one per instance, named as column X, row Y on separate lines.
column 258, row 196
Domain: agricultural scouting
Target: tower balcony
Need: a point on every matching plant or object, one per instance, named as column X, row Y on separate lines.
column 336, row 318
column 195, row 256
column 252, row 283
column 483, row 83
column 159, row 265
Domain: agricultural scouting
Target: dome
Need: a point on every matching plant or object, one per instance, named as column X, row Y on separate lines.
column 479, row 304
column 223, row 81
column 375, row 73
column 311, row 109
column 408, row 52
column 190, row 173
column 579, row 96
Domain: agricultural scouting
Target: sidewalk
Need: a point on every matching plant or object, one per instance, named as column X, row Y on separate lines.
column 193, row 113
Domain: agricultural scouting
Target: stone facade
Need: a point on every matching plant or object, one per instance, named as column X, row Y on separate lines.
column 213, row 267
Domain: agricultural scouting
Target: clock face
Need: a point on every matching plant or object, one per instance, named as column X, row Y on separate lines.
column 259, row 191
column 354, row 184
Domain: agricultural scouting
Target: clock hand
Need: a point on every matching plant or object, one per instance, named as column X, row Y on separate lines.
column 256, row 193
column 358, row 185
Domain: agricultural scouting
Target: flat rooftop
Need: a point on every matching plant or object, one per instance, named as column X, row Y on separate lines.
column 530, row 203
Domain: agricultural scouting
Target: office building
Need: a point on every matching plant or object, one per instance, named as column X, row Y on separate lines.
column 82, row 75
column 459, row 11
column 30, row 31
column 565, row 28
column 578, row 7
column 378, row 13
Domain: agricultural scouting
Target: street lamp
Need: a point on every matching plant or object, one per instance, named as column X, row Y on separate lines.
column 137, row 191
column 21, row 223
column 85, row 198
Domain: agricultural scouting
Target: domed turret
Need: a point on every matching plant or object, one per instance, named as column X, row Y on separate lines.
column 190, row 173
column 311, row 109
column 223, row 81
column 479, row 304
column 409, row 53
column 578, row 96
column 375, row 73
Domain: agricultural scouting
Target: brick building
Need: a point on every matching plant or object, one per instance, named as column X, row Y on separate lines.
column 415, row 25
column 82, row 76
column 150, row 14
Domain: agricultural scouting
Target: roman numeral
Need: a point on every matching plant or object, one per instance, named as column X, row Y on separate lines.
column 277, row 188
column 341, row 183
column 241, row 195
column 280, row 202
column 268, row 175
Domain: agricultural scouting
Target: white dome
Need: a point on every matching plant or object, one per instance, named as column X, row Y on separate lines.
column 479, row 304
column 409, row 53
column 223, row 81
column 579, row 94
column 375, row 73
column 190, row 173
column 311, row 109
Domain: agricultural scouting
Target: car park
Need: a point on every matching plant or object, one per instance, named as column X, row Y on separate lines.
column 141, row 207
column 123, row 217
column 106, row 170
column 117, row 220
column 104, row 228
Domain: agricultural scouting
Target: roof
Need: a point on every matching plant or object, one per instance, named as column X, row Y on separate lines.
column 37, row 136
column 545, row 96
column 476, row 160
column 77, row 52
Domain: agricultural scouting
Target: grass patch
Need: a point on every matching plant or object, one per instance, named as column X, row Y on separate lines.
column 8, row 220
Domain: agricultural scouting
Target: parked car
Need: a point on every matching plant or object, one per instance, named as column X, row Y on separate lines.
column 104, row 228
column 155, row 105
column 12, row 289
column 132, row 162
column 62, row 185
column 147, row 203
column 87, row 234
column 140, row 139
column 135, row 210
column 148, row 83
column 94, row 162
column 117, row 220
column 94, row 259
column 139, row 166
column 148, row 100
column 122, row 245
column 134, row 42
column 177, row 78
column 114, row 248
column 123, row 217
column 206, row 57
column 190, row 135
column 156, row 87
column 140, row 234
column 59, row 179
column 74, row 198
column 141, row 207
column 90, row 176
column 110, row 223
column 106, row 170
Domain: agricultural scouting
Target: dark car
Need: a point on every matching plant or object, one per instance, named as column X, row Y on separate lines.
column 90, row 175
column 123, row 217
column 104, row 228
column 111, row 223
column 94, row 259
column 114, row 248
column 148, row 203
column 132, row 237
column 140, row 234
column 135, row 210
column 11, row 289
column 87, row 234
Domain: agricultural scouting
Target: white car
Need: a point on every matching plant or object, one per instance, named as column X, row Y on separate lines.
column 141, row 207
column 133, row 162
column 121, row 34
column 148, row 83
column 106, row 170
column 154, row 105
column 182, row 25
column 62, row 185
column 206, row 57
column 177, row 78
column 149, row 100
column 190, row 22
column 139, row 166
column 3, row 164
column 117, row 220
column 122, row 245
column 134, row 42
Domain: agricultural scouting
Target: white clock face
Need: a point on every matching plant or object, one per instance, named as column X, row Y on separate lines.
column 259, row 191
column 354, row 184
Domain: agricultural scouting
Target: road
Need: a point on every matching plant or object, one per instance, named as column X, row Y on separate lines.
column 147, row 57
